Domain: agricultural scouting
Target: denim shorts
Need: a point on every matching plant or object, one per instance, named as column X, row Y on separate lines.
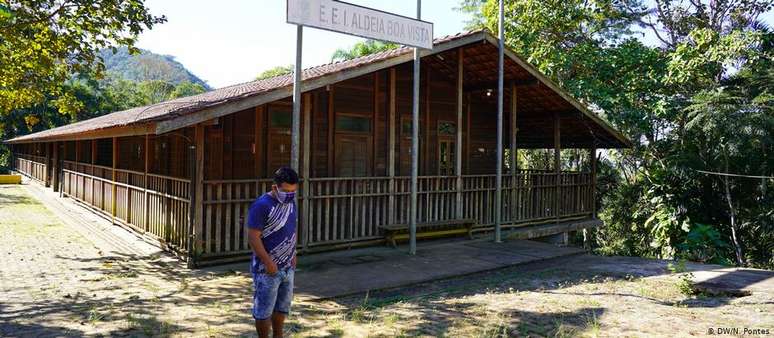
column 273, row 293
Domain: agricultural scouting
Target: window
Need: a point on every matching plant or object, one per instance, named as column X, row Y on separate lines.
column 280, row 118
column 357, row 124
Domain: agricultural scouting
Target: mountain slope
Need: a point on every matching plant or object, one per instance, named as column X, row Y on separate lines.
column 148, row 66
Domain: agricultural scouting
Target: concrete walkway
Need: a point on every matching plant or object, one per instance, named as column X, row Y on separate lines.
column 334, row 274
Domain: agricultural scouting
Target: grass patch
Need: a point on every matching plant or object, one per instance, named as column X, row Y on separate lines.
column 95, row 315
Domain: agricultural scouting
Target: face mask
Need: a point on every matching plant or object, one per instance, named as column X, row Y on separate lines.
column 284, row 196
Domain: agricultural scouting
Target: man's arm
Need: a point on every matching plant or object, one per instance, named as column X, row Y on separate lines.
column 254, row 238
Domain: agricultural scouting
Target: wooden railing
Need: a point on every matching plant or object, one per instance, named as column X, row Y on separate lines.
column 32, row 166
column 153, row 205
column 343, row 210
column 225, row 206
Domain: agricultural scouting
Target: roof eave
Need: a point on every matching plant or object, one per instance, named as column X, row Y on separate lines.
column 117, row 131
column 236, row 105
column 559, row 90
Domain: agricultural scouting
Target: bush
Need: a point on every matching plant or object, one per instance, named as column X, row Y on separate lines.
column 704, row 244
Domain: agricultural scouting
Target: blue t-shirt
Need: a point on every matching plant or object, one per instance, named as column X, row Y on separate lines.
column 277, row 223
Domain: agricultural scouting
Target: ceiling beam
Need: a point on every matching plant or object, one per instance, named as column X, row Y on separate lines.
column 530, row 82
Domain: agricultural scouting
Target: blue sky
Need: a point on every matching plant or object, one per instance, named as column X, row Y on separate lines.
column 235, row 40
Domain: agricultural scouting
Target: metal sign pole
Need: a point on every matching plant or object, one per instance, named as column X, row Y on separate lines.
column 295, row 138
column 414, row 147
column 499, row 180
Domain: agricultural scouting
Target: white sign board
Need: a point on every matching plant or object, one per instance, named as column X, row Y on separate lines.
column 361, row 21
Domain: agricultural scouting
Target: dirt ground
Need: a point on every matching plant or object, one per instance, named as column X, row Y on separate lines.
column 54, row 281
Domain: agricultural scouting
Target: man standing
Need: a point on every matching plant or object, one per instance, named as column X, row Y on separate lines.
column 271, row 231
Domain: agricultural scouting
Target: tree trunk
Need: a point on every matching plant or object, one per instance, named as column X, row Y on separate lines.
column 734, row 238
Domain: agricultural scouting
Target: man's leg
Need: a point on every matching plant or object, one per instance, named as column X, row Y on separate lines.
column 282, row 305
column 262, row 327
column 277, row 322
column 264, row 300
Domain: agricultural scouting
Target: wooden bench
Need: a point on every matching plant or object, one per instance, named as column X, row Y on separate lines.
column 394, row 232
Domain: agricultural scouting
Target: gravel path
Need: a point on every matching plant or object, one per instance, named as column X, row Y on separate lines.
column 61, row 276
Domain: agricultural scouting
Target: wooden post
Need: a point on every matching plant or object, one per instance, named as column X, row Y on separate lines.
column 77, row 151
column 77, row 165
column 93, row 161
column 306, row 151
column 374, row 133
column 199, row 182
column 391, row 150
column 93, row 151
column 55, row 167
column 458, row 143
column 467, row 133
column 557, row 164
column 260, row 159
column 593, row 157
column 193, row 199
column 46, row 176
column 331, row 130
column 424, row 154
column 115, row 163
column 514, row 153
column 146, row 204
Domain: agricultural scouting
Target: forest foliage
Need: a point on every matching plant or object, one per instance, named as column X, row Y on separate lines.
column 144, row 65
column 69, row 60
column 690, row 83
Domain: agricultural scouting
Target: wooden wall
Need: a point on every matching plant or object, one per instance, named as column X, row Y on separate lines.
column 168, row 154
column 131, row 153
column 69, row 151
column 482, row 145
column 350, row 135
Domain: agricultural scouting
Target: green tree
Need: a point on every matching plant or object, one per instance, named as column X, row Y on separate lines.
column 43, row 43
column 362, row 48
column 696, row 102
column 186, row 88
column 155, row 91
column 276, row 71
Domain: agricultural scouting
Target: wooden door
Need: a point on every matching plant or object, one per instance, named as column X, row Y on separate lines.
column 446, row 159
column 353, row 155
column 278, row 143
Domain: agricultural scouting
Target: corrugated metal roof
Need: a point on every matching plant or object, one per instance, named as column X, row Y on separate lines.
column 187, row 105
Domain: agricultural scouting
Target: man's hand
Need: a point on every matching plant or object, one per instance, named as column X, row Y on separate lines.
column 271, row 267
column 293, row 262
column 254, row 238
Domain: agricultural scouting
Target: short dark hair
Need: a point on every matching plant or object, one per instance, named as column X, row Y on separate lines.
column 285, row 175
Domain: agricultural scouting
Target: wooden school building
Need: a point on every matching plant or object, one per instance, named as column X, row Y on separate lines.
column 183, row 172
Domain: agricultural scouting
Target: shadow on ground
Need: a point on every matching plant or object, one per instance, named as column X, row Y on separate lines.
column 131, row 290
column 14, row 198
column 124, row 294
